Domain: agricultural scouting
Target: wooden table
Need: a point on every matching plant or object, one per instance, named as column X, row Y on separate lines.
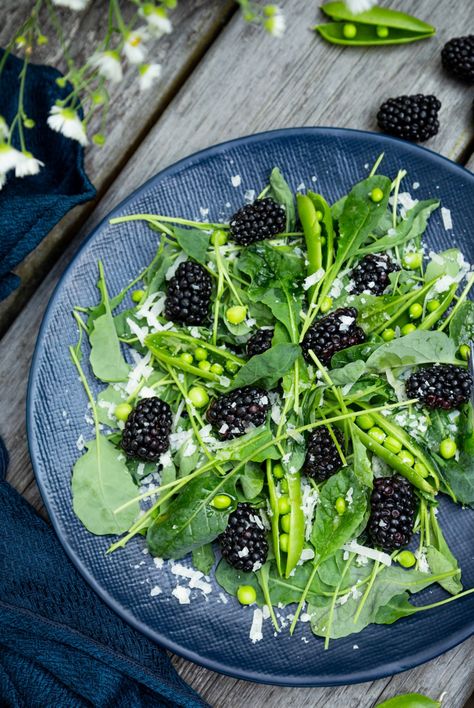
column 223, row 79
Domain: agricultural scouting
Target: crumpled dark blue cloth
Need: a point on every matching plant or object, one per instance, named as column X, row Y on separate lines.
column 31, row 206
column 60, row 646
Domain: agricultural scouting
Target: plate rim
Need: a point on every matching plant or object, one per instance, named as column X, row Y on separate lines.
column 370, row 674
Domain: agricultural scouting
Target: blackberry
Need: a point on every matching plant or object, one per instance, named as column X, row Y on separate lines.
column 410, row 117
column 371, row 273
column 235, row 412
column 440, row 386
column 393, row 506
column 189, row 294
column 254, row 222
column 332, row 333
column 259, row 342
column 243, row 544
column 147, row 429
column 457, row 57
column 322, row 458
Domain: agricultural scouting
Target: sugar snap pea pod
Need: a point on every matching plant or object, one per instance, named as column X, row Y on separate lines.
column 365, row 35
column 275, row 519
column 312, row 235
column 409, row 700
column 378, row 16
column 296, row 532
column 321, row 205
column 430, row 320
column 395, row 462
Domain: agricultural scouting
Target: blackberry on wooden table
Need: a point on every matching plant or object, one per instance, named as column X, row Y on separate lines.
column 243, row 544
column 189, row 294
column 412, row 118
column 234, row 413
column 440, row 386
column 331, row 334
column 322, row 457
column 147, row 429
column 255, row 222
column 457, row 57
column 393, row 506
column 259, row 342
column 371, row 274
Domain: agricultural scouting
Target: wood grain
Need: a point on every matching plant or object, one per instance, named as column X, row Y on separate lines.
column 247, row 82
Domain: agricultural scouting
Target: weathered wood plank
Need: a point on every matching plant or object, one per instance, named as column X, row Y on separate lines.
column 131, row 113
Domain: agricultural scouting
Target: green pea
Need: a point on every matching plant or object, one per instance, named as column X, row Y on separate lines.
column 376, row 195
column 221, row 501
column 198, row 396
column 284, row 542
column 29, row 123
column 349, row 31
column 219, row 238
column 278, row 471
column 406, row 559
column 122, row 411
column 231, row 366
column 412, row 261
column 464, row 351
column 420, row 469
column 382, row 31
column 284, row 486
column 285, row 522
column 326, row 304
column 319, row 215
column 408, row 328
column 284, row 506
column 415, row 311
column 406, row 457
column 137, row 295
column 246, row 594
column 448, row 448
column 388, row 334
column 392, row 444
column 186, row 357
column 432, row 305
column 217, row 369
column 200, row 353
column 205, row 365
column 377, row 434
column 236, row 314
column 340, row 506
column 365, row 421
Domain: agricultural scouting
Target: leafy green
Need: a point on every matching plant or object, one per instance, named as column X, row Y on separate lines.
column 267, row 368
column 461, row 327
column 107, row 400
column 446, row 263
column 251, row 480
column 408, row 229
column 249, row 445
column 101, row 484
column 193, row 242
column 281, row 193
column 230, row 579
column 441, row 563
column 419, row 347
column 203, row 558
column 191, row 521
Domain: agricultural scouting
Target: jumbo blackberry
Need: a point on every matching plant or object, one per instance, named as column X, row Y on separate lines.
column 255, row 222
column 243, row 544
column 393, row 506
column 147, row 429
column 331, row 334
column 440, row 386
column 457, row 57
column 322, row 457
column 371, row 273
column 189, row 294
column 412, row 118
column 259, row 342
column 238, row 411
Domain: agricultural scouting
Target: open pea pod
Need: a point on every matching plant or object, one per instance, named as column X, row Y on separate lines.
column 321, row 206
column 275, row 517
column 296, row 533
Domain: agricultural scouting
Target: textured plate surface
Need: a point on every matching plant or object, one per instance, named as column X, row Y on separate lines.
column 208, row 631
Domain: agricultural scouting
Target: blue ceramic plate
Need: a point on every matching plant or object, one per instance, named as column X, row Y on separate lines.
column 209, row 631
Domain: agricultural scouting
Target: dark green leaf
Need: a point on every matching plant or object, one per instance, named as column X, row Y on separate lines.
column 281, row 193
column 267, row 368
column 251, row 480
column 230, row 579
column 409, row 228
column 461, row 327
column 441, row 563
column 193, row 242
column 419, row 347
column 203, row 558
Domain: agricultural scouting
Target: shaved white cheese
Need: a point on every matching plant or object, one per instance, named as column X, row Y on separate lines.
column 443, row 283
column 141, row 371
column 423, row 565
column 159, row 562
column 366, row 552
column 447, row 220
column 80, row 443
column 249, row 195
column 182, row 594
column 109, row 407
column 204, row 211
column 236, row 180
column 256, row 634
column 156, row 590
column 313, row 278
column 140, row 332
column 346, row 322
column 243, row 553
column 306, row 554
column 309, row 500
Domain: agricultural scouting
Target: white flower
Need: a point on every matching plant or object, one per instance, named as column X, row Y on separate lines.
column 356, row 6
column 275, row 22
column 157, row 19
column 27, row 165
column 4, row 129
column 67, row 122
column 149, row 74
column 134, row 48
column 109, row 66
column 72, row 4
column 9, row 158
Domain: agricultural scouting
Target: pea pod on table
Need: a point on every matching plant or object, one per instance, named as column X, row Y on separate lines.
column 409, row 700
column 378, row 26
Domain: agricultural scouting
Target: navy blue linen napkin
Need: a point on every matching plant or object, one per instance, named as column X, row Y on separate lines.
column 60, row 646
column 31, row 206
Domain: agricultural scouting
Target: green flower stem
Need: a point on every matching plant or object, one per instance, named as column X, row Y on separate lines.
column 460, row 301
column 303, row 597
column 334, row 598
column 169, row 219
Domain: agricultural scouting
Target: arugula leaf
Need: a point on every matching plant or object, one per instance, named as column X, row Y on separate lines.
column 203, row 558
column 281, row 193
column 194, row 243
column 419, row 347
column 461, row 327
column 331, row 530
column 190, row 521
column 101, row 483
column 269, row 367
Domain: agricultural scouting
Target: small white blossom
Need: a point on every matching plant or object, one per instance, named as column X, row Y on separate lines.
column 109, row 66
column 67, row 122
column 149, row 74
column 9, row 158
column 4, row 130
column 27, row 165
column 275, row 22
column 157, row 19
column 77, row 5
column 356, row 6
column 134, row 48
